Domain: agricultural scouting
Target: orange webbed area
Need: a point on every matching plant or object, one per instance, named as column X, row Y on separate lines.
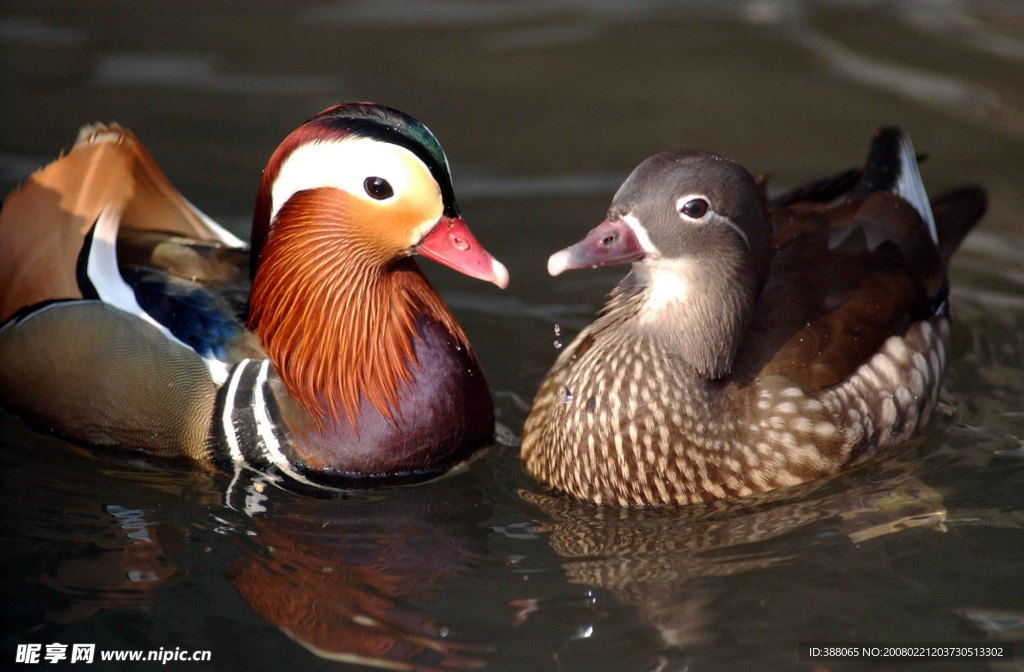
column 107, row 169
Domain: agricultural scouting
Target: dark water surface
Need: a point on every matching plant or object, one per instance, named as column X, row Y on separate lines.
column 543, row 108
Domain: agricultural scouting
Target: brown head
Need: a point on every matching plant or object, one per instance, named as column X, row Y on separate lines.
column 698, row 232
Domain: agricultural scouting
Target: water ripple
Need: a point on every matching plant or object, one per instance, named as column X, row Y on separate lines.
column 199, row 72
column 950, row 94
column 32, row 32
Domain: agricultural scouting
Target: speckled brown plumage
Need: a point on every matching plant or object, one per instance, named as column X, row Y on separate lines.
column 672, row 397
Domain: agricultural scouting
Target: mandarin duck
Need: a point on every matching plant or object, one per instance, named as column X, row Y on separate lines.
column 755, row 344
column 319, row 355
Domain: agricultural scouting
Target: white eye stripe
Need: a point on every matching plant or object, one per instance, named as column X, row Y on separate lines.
column 642, row 236
column 344, row 164
column 710, row 217
column 718, row 219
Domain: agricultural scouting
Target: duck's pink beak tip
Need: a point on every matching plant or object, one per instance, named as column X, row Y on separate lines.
column 451, row 243
column 610, row 242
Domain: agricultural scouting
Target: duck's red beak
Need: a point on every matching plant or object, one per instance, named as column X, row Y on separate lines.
column 610, row 242
column 451, row 243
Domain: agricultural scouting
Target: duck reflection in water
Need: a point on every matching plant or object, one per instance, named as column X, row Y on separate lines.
column 683, row 570
column 334, row 576
column 122, row 559
column 339, row 576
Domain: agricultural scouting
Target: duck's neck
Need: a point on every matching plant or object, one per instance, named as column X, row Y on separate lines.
column 340, row 327
column 698, row 317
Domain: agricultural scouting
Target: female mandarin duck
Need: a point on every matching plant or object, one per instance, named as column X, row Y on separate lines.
column 751, row 347
column 130, row 321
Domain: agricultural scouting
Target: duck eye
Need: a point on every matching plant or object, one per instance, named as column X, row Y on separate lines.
column 378, row 188
column 695, row 208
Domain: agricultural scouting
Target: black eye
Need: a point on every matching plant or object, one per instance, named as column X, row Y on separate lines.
column 695, row 208
column 378, row 187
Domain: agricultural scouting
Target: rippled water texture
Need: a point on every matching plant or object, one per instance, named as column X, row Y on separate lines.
column 543, row 108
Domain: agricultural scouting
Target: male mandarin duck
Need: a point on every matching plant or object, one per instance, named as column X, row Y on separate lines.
column 321, row 355
column 755, row 344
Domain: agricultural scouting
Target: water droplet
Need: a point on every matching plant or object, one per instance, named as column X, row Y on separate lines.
column 566, row 394
column 584, row 632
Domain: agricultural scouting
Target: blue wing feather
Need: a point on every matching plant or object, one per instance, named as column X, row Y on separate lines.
column 198, row 317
